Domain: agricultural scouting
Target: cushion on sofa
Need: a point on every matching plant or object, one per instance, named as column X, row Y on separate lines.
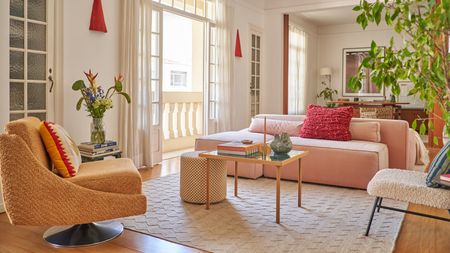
column 439, row 166
column 292, row 128
column 327, row 123
column 62, row 149
column 365, row 131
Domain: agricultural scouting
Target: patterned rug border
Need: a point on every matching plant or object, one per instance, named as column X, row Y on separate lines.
column 397, row 231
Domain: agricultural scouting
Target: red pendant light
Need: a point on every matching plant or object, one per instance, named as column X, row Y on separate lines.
column 97, row 18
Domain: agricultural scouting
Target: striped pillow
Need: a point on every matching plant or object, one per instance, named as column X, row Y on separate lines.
column 439, row 166
column 62, row 149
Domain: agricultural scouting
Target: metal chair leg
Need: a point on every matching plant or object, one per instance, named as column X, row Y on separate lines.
column 379, row 205
column 371, row 215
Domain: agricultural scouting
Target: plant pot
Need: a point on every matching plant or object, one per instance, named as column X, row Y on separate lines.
column 97, row 131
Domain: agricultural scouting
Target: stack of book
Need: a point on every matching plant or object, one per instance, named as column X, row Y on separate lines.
column 237, row 148
column 92, row 150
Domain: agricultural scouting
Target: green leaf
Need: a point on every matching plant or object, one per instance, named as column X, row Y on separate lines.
column 435, row 140
column 422, row 129
column 430, row 125
column 414, row 124
column 357, row 8
column 78, row 85
column 79, row 103
column 127, row 97
column 118, row 86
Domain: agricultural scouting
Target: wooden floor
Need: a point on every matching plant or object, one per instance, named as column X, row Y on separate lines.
column 416, row 235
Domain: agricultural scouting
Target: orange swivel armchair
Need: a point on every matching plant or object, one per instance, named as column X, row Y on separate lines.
column 34, row 195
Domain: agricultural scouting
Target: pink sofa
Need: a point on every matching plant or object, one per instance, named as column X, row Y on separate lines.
column 341, row 163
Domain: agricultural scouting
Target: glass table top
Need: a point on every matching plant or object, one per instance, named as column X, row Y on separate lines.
column 271, row 159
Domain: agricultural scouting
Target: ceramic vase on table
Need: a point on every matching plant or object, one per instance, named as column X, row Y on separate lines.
column 281, row 144
column 97, row 131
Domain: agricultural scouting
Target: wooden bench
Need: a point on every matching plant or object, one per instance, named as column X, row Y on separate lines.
column 407, row 186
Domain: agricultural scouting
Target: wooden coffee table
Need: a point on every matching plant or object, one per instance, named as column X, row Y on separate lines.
column 278, row 161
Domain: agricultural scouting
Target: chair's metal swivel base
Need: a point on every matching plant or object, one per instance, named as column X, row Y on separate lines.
column 83, row 234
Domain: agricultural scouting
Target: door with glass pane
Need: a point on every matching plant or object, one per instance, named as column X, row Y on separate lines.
column 211, row 89
column 31, row 59
column 255, row 72
column 156, row 66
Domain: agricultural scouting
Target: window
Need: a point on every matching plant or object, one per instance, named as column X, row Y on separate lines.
column 255, row 73
column 156, row 65
column 202, row 8
column 178, row 79
column 29, row 59
column 297, row 70
column 212, row 103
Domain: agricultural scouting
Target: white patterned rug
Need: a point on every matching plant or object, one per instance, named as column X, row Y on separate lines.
column 332, row 219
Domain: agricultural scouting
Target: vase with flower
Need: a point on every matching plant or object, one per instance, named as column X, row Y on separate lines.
column 97, row 102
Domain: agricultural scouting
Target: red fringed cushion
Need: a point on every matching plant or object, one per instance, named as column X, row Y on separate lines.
column 327, row 123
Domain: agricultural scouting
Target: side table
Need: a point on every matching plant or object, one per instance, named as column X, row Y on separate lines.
column 86, row 158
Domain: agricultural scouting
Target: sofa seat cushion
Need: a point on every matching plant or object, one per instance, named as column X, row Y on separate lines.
column 408, row 186
column 341, row 163
column 347, row 145
column 380, row 149
column 116, row 176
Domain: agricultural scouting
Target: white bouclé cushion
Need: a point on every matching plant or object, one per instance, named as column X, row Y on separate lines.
column 408, row 186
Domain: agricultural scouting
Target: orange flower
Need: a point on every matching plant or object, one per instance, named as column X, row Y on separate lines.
column 120, row 78
column 91, row 77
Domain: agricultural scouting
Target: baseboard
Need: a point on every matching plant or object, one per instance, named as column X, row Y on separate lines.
column 2, row 208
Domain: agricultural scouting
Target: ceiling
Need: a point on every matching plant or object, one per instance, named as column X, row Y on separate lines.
column 325, row 17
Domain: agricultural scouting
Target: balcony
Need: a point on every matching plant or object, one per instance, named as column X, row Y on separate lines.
column 182, row 119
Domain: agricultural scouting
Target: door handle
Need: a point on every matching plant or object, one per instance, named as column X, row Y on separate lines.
column 50, row 78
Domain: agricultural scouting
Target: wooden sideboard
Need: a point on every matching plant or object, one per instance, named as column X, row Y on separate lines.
column 359, row 104
column 401, row 113
column 410, row 114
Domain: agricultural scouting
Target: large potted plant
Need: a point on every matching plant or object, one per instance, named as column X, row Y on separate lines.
column 423, row 58
column 97, row 102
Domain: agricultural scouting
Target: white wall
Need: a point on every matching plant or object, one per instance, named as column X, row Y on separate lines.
column 290, row 6
column 272, row 90
column 83, row 50
column 246, row 17
column 4, row 70
column 332, row 39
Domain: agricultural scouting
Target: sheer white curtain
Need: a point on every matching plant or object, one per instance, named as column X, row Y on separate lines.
column 135, row 119
column 297, row 70
column 225, row 15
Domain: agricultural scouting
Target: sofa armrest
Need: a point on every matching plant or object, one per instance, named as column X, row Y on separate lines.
column 33, row 195
column 395, row 134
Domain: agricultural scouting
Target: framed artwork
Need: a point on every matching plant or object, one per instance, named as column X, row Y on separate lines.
column 351, row 60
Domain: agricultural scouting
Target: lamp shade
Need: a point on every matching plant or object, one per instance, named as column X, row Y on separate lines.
column 325, row 71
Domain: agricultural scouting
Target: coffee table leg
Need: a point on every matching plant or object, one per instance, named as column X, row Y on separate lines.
column 208, row 168
column 300, row 183
column 235, row 178
column 278, row 195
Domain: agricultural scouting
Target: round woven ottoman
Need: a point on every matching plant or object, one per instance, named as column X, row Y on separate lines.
column 193, row 179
